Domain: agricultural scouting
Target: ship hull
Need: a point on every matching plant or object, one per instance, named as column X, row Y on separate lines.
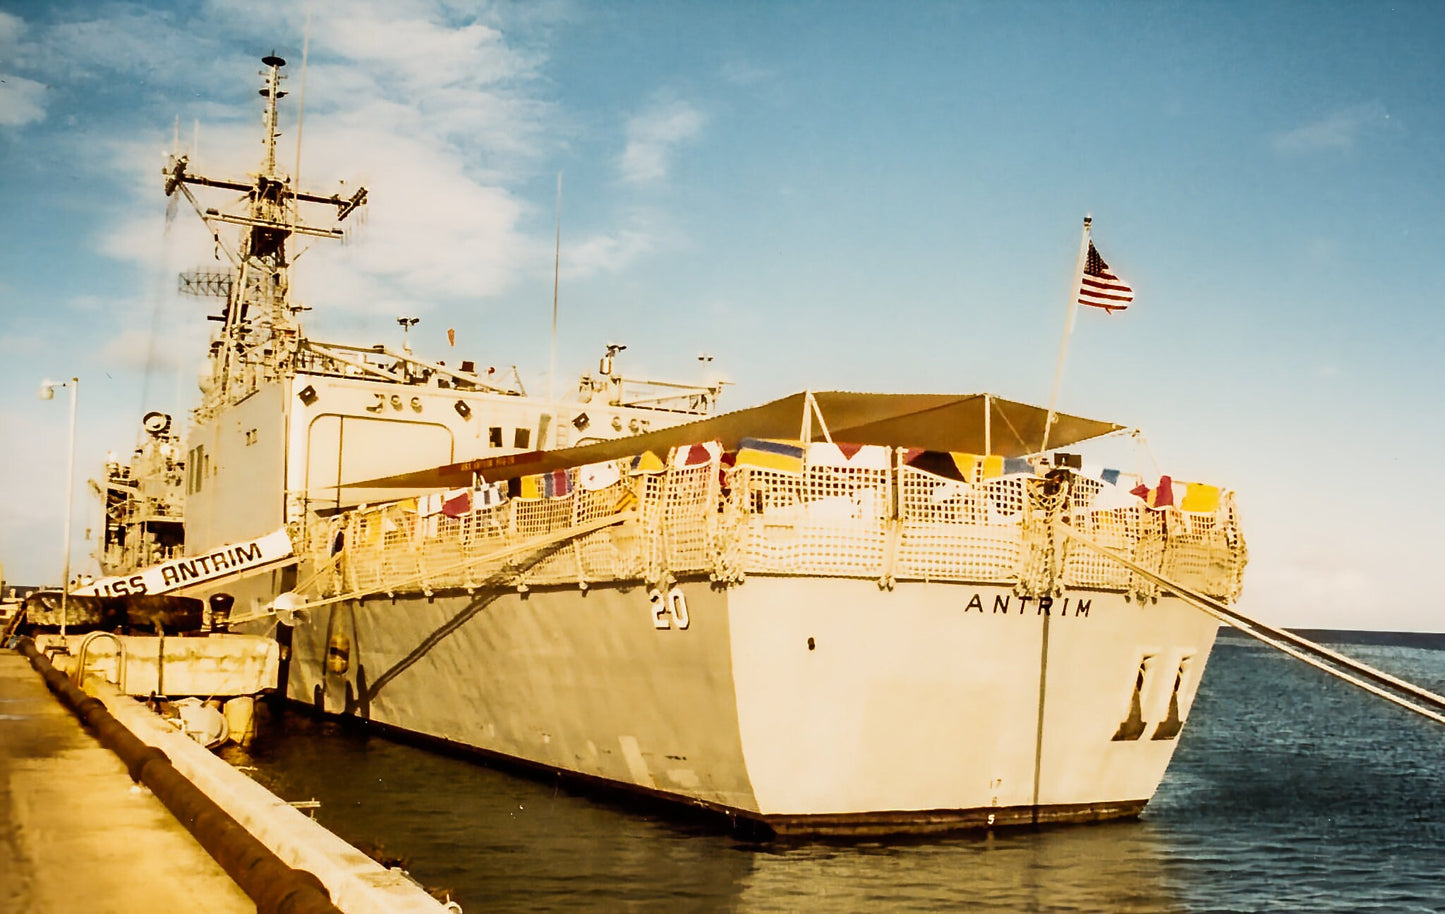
column 813, row 706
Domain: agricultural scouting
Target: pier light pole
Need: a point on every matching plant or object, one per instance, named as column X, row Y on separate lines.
column 47, row 392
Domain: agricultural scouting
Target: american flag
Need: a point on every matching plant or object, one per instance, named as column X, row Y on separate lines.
column 1100, row 288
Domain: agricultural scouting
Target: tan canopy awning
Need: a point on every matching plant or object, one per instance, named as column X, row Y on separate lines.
column 936, row 422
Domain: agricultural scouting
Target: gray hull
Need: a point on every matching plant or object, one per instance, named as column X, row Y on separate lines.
column 810, row 705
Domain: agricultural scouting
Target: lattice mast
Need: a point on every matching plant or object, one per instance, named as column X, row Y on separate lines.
column 259, row 335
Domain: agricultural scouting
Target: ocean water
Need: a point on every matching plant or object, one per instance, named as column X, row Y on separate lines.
column 1290, row 791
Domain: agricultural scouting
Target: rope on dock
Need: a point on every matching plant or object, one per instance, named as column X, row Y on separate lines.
column 275, row 887
column 1360, row 675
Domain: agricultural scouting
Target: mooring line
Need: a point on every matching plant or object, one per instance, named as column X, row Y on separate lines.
column 1283, row 641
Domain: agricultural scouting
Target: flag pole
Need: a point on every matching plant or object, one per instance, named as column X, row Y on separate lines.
column 1068, row 331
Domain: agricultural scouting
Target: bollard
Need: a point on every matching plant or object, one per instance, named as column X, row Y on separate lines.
column 221, row 604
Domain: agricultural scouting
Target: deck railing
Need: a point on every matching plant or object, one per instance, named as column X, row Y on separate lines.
column 876, row 518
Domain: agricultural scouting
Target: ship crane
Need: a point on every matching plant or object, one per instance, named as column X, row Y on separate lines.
column 259, row 333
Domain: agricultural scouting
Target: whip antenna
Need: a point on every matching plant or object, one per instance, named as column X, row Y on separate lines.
column 301, row 117
column 556, row 282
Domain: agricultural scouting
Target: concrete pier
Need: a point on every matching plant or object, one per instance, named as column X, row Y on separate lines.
column 76, row 834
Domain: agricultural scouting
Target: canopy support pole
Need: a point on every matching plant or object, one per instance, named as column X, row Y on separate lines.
column 987, row 424
column 811, row 410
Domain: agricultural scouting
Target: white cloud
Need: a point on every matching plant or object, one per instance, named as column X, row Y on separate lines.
column 444, row 113
column 654, row 135
column 11, row 28
column 422, row 54
column 439, row 112
column 609, row 252
column 436, row 118
column 1337, row 132
column 431, row 229
column 22, row 101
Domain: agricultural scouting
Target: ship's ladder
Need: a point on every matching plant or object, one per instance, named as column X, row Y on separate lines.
column 1376, row 682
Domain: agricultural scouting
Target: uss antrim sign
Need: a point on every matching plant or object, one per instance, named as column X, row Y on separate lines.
column 226, row 561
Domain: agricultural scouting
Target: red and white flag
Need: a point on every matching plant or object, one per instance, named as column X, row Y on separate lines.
column 1100, row 288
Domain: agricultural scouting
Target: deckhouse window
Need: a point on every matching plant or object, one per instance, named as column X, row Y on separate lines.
column 197, row 467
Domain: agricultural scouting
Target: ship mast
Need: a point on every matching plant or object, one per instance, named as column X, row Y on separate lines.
column 260, row 335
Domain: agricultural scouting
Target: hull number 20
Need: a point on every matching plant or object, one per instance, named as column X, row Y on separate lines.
column 669, row 610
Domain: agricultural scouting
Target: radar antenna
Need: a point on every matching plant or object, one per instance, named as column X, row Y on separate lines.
column 259, row 336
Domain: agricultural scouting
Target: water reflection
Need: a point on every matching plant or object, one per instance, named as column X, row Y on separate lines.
column 501, row 842
column 1289, row 792
column 1112, row 867
column 1297, row 792
column 497, row 841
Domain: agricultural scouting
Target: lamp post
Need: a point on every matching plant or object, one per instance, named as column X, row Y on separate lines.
column 47, row 392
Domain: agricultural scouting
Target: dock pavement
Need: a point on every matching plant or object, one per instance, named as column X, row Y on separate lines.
column 76, row 834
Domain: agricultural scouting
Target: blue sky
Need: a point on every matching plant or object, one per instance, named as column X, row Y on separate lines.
column 863, row 196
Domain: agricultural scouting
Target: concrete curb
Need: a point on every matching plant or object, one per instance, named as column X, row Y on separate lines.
column 275, row 887
column 357, row 884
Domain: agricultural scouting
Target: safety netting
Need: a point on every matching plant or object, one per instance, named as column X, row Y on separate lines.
column 789, row 508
